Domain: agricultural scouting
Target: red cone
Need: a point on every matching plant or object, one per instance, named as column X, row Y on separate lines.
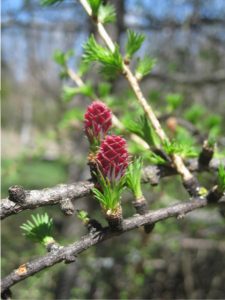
column 97, row 121
column 113, row 157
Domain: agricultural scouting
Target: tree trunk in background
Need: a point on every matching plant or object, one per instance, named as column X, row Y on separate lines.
column 65, row 282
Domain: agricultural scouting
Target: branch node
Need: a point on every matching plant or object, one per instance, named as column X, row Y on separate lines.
column 151, row 175
column 141, row 207
column 214, row 195
column 115, row 220
column 93, row 226
column 181, row 216
column 52, row 247
column 206, row 154
column 22, row 270
column 163, row 154
column 17, row 194
column 67, row 207
column 70, row 258
column 6, row 295
column 192, row 186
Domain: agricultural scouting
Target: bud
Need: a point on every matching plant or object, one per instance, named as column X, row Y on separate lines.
column 172, row 124
column 97, row 122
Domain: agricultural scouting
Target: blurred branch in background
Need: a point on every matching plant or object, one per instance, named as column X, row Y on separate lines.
column 217, row 77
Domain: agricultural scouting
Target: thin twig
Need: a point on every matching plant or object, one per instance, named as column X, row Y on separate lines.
column 188, row 178
column 116, row 122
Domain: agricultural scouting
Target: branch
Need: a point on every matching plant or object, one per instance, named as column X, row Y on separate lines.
column 189, row 181
column 116, row 122
column 48, row 196
column 87, row 241
column 52, row 196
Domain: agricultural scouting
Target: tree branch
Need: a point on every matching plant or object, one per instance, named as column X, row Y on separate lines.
column 189, row 181
column 87, row 241
column 52, row 196
column 116, row 122
column 48, row 196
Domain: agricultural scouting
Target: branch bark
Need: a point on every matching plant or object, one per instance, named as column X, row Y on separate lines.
column 52, row 196
column 87, row 241
column 48, row 196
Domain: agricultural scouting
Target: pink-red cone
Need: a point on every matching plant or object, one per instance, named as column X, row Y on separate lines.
column 112, row 157
column 97, row 121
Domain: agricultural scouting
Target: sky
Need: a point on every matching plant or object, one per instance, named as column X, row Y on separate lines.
column 14, row 45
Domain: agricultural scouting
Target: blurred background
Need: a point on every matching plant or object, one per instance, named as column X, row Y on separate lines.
column 43, row 144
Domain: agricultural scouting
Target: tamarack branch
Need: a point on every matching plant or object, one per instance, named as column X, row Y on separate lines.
column 65, row 253
column 53, row 196
column 110, row 166
column 190, row 182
